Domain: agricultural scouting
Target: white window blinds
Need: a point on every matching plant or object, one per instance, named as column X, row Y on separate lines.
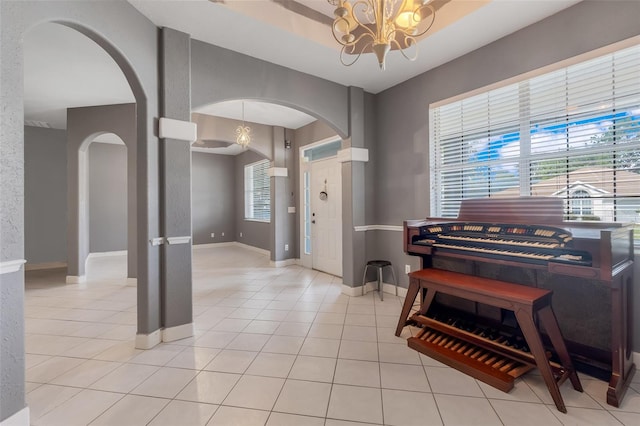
column 257, row 192
column 573, row 133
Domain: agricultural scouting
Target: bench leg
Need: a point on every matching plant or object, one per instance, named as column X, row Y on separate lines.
column 409, row 299
column 550, row 324
column 531, row 335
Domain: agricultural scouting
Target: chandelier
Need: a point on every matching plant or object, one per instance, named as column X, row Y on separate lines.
column 362, row 26
column 243, row 132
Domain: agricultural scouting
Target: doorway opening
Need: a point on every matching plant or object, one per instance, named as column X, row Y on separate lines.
column 321, row 196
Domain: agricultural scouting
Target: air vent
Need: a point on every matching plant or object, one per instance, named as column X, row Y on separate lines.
column 35, row 123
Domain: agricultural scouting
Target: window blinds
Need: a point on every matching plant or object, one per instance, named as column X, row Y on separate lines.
column 573, row 133
column 257, row 190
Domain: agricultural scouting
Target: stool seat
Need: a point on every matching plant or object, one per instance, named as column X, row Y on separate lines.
column 379, row 265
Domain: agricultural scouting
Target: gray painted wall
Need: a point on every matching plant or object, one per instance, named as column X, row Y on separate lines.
column 133, row 45
column 401, row 157
column 45, row 203
column 84, row 124
column 219, row 74
column 213, row 197
column 256, row 234
column 107, row 197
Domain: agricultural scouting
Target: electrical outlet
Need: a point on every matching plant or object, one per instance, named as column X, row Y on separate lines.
column 407, row 269
column 223, row 234
column 213, row 235
column 241, row 235
column 286, row 247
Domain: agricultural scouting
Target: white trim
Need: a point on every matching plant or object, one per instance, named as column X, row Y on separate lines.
column 282, row 263
column 277, row 172
column 168, row 128
column 178, row 332
column 132, row 282
column 361, row 228
column 178, row 240
column 635, row 356
column 21, row 418
column 232, row 243
column 212, row 245
column 107, row 254
column 252, row 248
column 148, row 341
column 11, row 266
column 75, row 279
column 45, row 265
column 156, row 241
column 353, row 154
column 542, row 70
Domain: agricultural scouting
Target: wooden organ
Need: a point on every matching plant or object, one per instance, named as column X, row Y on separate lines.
column 588, row 266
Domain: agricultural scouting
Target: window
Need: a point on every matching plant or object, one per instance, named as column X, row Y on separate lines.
column 573, row 133
column 257, row 192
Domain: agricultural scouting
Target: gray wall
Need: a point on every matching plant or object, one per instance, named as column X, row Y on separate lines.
column 213, row 183
column 219, row 74
column 133, row 45
column 256, row 234
column 45, row 203
column 107, row 197
column 84, row 124
column 401, row 157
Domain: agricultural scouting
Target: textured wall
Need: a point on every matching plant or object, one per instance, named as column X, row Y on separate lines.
column 83, row 125
column 401, row 157
column 45, row 187
column 243, row 77
column 213, row 196
column 107, row 197
column 133, row 45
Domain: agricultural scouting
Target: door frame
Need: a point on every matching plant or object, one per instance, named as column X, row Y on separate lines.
column 306, row 259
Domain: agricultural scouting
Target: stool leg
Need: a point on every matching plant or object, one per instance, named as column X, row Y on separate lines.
column 364, row 277
column 395, row 281
column 380, row 283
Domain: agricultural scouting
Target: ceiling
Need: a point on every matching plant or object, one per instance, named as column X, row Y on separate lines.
column 64, row 69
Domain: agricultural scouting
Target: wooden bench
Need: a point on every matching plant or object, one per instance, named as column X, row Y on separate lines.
column 525, row 302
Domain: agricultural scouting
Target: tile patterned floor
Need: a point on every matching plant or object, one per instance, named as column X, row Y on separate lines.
column 273, row 346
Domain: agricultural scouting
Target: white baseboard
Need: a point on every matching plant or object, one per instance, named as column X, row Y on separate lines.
column 45, row 265
column 21, row 418
column 148, row 341
column 132, row 282
column 232, row 243
column 635, row 356
column 252, row 248
column 213, row 245
column 74, row 279
column 178, row 332
column 286, row 262
column 107, row 254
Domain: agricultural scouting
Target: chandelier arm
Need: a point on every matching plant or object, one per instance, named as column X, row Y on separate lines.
column 433, row 18
column 342, row 52
column 366, row 7
column 409, row 42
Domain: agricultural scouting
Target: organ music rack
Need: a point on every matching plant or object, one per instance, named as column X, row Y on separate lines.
column 587, row 265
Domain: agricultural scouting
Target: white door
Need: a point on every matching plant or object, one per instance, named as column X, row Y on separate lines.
column 326, row 215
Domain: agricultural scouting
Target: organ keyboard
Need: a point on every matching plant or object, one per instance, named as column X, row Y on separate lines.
column 587, row 265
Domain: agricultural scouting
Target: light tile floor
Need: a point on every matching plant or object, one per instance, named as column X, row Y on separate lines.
column 272, row 346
